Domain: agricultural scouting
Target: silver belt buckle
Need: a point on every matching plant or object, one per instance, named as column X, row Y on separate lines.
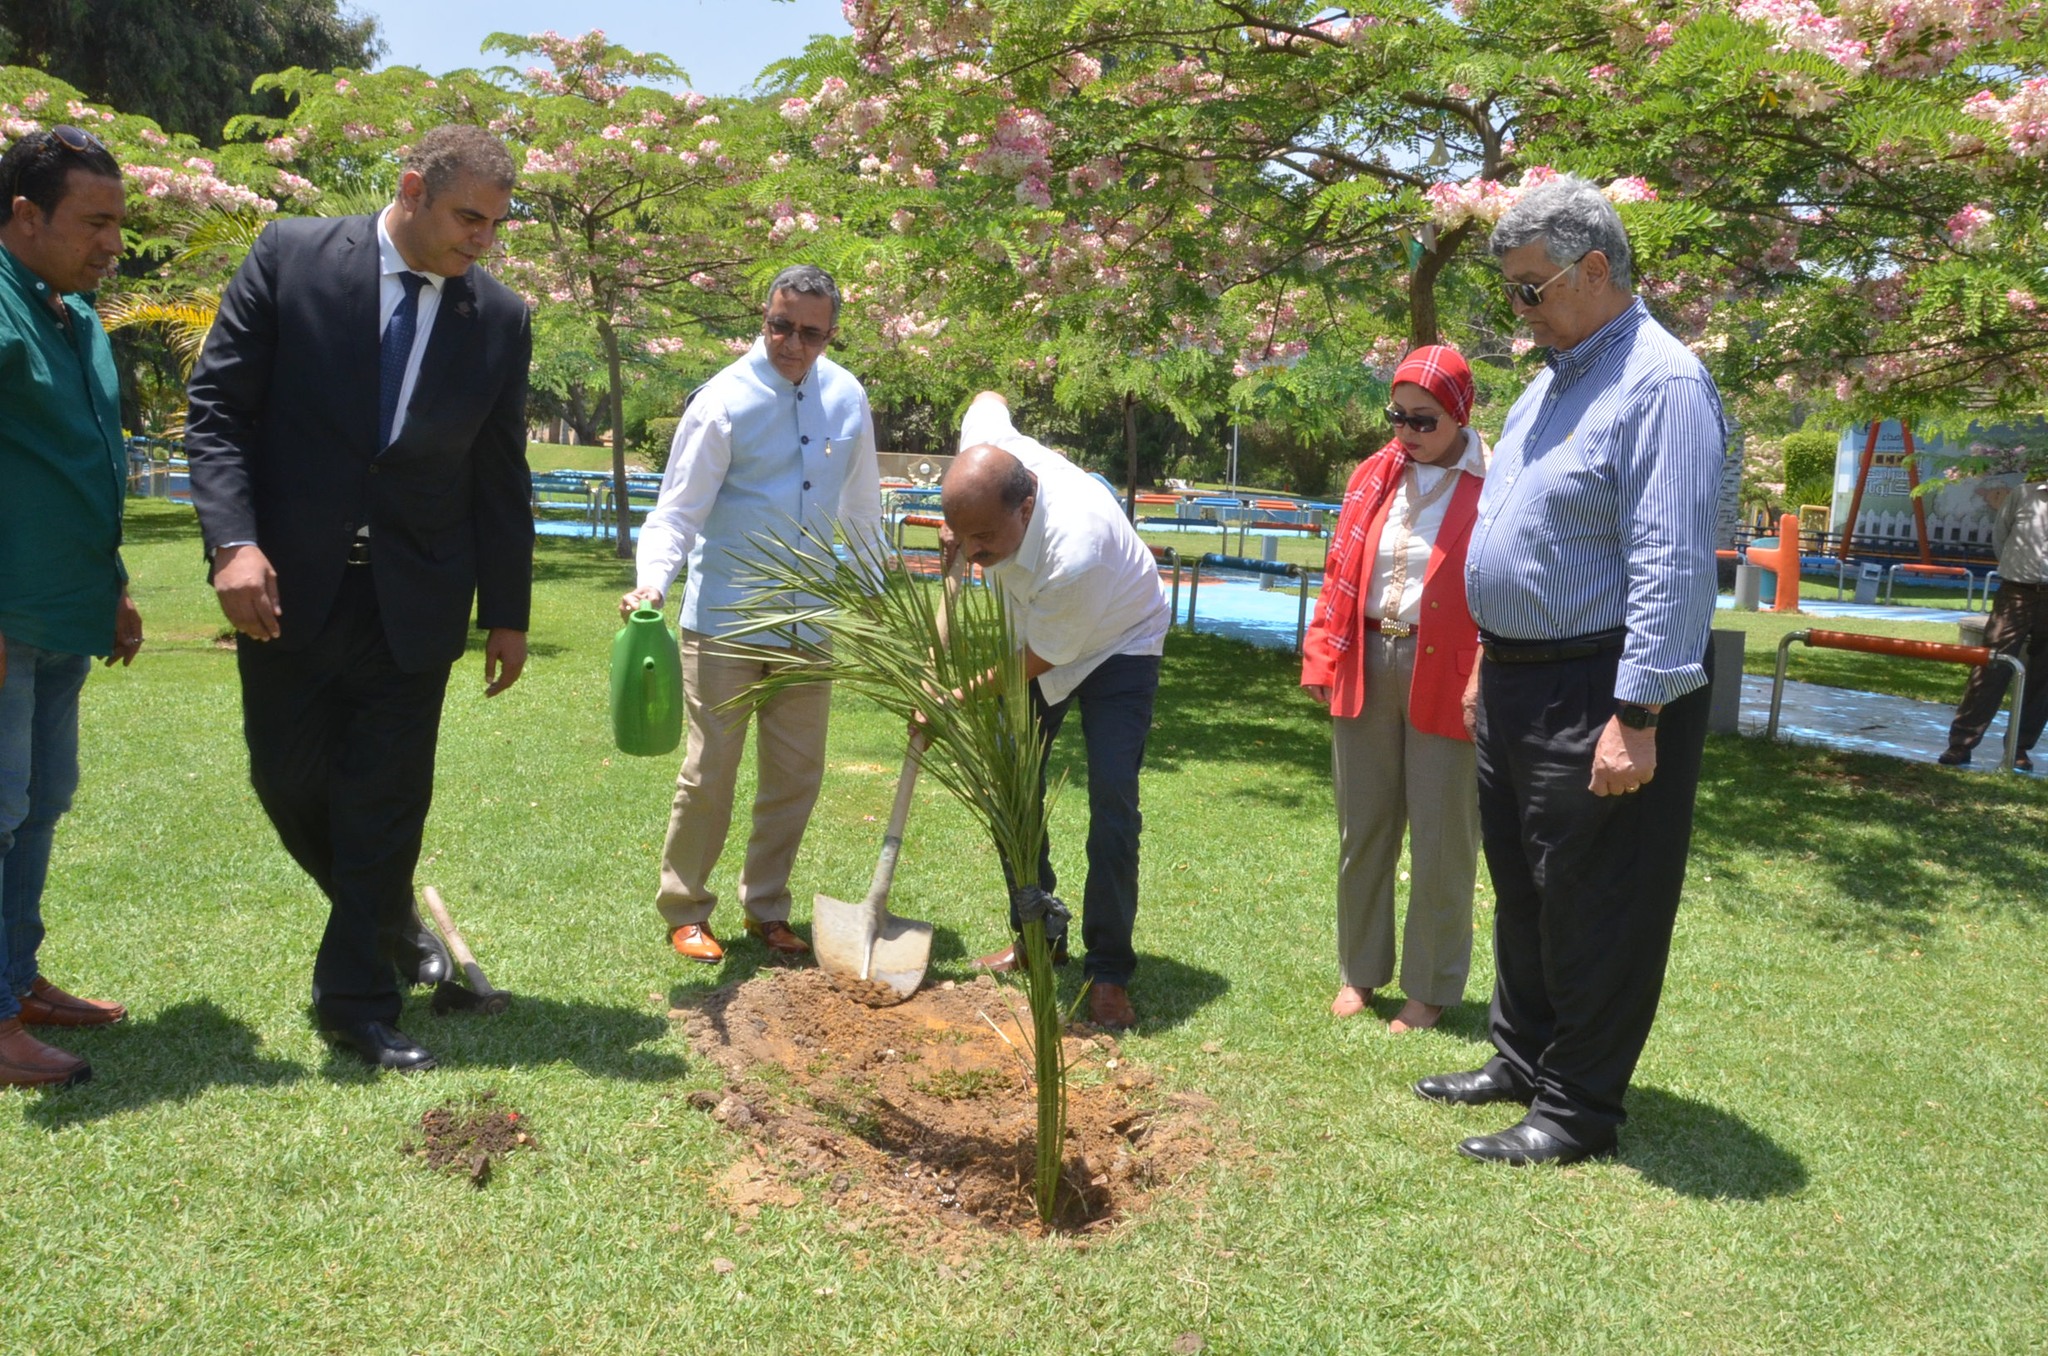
column 1394, row 630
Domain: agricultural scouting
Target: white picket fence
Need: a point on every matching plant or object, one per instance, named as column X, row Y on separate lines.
column 1942, row 529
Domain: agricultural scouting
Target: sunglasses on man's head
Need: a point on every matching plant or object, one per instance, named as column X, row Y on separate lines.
column 77, row 140
column 1421, row 423
column 1531, row 294
column 811, row 335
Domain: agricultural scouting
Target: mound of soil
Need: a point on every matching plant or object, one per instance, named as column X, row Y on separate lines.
column 926, row 1110
column 467, row 1139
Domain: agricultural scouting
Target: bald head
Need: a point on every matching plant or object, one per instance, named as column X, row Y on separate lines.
column 988, row 497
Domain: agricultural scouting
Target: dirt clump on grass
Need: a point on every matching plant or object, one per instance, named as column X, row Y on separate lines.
column 468, row 1139
column 925, row 1112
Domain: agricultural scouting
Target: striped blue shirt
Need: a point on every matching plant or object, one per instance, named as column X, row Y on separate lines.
column 1598, row 512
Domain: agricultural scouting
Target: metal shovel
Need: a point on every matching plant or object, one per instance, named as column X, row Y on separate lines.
column 870, row 953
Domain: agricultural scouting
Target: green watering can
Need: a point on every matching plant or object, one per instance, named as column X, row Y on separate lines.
column 647, row 686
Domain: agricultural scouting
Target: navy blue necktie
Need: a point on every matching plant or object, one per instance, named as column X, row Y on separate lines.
column 396, row 352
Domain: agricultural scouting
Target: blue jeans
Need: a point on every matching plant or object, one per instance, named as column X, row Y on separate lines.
column 38, row 773
column 1116, row 715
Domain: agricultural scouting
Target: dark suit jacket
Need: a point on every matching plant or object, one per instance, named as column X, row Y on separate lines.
column 282, row 440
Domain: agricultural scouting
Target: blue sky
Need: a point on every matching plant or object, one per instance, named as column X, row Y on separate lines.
column 723, row 44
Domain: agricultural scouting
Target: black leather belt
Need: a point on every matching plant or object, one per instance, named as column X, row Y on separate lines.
column 1503, row 651
column 359, row 551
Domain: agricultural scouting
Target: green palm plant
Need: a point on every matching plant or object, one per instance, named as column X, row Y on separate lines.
column 186, row 315
column 872, row 626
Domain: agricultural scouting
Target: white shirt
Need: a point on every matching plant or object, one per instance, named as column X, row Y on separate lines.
column 390, row 292
column 1082, row 586
column 757, row 456
column 1472, row 461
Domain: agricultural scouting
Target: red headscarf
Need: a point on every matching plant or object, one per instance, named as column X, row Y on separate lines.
column 1441, row 371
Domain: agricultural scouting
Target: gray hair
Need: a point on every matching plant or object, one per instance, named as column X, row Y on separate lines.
column 806, row 280
column 1571, row 217
column 450, row 152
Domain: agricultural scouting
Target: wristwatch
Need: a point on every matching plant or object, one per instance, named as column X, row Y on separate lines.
column 1636, row 716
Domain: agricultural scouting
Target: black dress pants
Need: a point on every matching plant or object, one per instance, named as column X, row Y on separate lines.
column 1586, row 887
column 341, row 753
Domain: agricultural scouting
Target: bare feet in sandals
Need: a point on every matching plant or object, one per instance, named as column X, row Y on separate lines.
column 1415, row 1016
column 1350, row 1001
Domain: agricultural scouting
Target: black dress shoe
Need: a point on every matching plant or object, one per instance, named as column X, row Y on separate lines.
column 1522, row 1144
column 419, row 955
column 382, row 1046
column 1476, row 1088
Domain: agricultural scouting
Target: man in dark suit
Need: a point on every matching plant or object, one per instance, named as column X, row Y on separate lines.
column 357, row 440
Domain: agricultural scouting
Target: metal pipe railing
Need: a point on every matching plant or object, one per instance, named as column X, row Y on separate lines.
column 1247, row 565
column 1976, row 656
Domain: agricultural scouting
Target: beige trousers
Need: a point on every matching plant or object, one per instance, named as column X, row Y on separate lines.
column 1389, row 776
column 789, row 747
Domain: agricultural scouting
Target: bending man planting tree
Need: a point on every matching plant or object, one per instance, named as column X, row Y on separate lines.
column 1083, row 594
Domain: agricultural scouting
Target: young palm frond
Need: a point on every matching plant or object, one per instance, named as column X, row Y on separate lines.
column 185, row 319
column 871, row 626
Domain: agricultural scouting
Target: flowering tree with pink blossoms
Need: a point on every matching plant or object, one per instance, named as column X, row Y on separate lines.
column 1872, row 176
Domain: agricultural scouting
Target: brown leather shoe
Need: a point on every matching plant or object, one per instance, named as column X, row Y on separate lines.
column 26, row 1062
column 779, row 938
column 1011, row 957
column 1109, row 1005
column 693, row 941
column 48, row 1005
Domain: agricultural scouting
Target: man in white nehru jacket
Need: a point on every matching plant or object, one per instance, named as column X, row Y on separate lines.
column 1083, row 592
column 779, row 446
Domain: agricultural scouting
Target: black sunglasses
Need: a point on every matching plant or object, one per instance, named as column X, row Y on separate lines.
column 76, row 140
column 1421, row 423
column 812, row 336
column 1531, row 294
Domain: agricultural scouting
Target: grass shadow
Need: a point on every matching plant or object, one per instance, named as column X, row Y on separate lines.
column 171, row 1056
column 1699, row 1150
column 601, row 1040
column 1894, row 847
column 1202, row 709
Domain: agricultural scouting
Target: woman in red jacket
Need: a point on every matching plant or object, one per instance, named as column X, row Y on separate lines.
column 1390, row 653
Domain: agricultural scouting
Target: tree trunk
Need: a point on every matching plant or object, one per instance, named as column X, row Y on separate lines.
column 1131, row 456
column 617, row 403
column 1422, row 312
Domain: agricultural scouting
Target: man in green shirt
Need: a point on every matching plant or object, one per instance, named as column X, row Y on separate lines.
column 63, row 591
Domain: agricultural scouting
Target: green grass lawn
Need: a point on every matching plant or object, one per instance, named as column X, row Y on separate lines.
column 1834, row 1144
column 563, row 457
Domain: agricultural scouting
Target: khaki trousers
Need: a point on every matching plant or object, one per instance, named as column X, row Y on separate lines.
column 1390, row 775
column 789, row 747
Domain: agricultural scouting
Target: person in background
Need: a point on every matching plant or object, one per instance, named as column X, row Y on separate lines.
column 780, row 445
column 63, row 589
column 1390, row 652
column 2018, row 625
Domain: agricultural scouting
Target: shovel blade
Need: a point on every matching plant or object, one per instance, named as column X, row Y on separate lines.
column 868, row 951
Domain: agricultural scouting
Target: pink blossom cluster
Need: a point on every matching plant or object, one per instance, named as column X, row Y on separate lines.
column 198, row 189
column 79, row 112
column 581, row 67
column 2022, row 301
column 292, row 186
column 2023, row 117
column 1631, row 189
column 1453, row 204
column 1020, row 147
column 1077, row 71
column 795, row 110
column 1888, row 298
column 1800, row 26
column 288, row 145
column 1969, row 228
column 1782, row 255
column 1085, row 179
column 1920, row 37
column 665, row 346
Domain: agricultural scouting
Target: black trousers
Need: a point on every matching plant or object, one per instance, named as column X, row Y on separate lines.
column 1586, row 887
column 2018, row 625
column 341, row 753
column 1116, row 716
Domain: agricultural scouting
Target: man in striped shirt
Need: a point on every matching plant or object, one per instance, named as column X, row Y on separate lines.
column 1591, row 575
